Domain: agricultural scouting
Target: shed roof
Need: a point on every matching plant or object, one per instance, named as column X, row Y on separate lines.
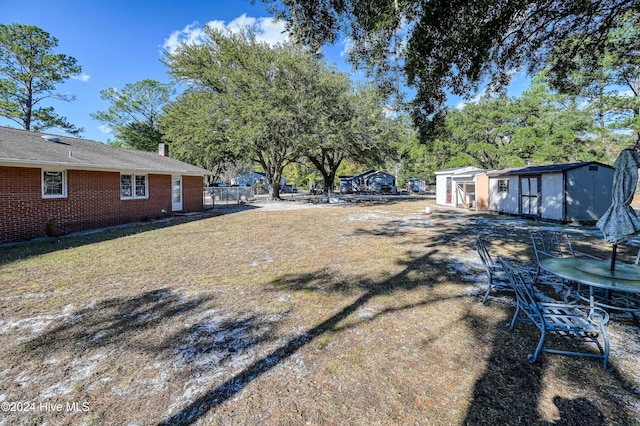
column 551, row 168
column 468, row 171
column 501, row 172
column 22, row 148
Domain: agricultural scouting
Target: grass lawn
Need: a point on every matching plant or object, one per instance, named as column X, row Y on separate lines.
column 291, row 314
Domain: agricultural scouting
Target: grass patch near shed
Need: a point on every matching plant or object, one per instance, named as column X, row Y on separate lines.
column 363, row 313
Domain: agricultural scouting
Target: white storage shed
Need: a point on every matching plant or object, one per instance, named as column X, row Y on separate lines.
column 572, row 192
column 457, row 187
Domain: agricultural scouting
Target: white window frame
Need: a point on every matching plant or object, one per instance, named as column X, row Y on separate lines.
column 63, row 174
column 134, row 186
column 503, row 185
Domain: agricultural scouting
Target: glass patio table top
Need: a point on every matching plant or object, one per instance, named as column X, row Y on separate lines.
column 595, row 273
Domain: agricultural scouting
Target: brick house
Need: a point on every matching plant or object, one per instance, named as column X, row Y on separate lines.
column 53, row 185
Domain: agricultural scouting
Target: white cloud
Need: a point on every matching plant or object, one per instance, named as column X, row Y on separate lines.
column 81, row 77
column 271, row 31
column 104, row 128
column 241, row 22
column 191, row 34
column 347, row 44
column 460, row 106
column 267, row 30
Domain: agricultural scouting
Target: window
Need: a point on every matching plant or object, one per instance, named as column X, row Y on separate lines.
column 133, row 186
column 54, row 184
column 503, row 185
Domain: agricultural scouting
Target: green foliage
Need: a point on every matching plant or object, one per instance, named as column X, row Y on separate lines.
column 450, row 45
column 608, row 79
column 134, row 113
column 496, row 133
column 351, row 125
column 414, row 160
column 29, row 73
column 272, row 105
column 257, row 94
column 197, row 131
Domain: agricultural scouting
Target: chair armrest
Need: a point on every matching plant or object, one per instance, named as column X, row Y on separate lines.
column 564, row 291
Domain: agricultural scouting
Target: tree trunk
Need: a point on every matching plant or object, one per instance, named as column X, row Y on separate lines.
column 327, row 165
column 328, row 183
column 274, row 190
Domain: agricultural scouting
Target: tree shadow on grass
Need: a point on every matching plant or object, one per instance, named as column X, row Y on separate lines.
column 114, row 321
column 307, row 282
column 323, row 281
column 509, row 392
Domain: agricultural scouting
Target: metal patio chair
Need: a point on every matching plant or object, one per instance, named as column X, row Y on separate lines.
column 556, row 245
column 550, row 245
column 495, row 274
column 580, row 323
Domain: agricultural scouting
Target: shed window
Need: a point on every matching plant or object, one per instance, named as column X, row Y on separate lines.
column 133, row 186
column 54, row 184
column 503, row 185
column 593, row 168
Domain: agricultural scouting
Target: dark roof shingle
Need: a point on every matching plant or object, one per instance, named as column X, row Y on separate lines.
column 29, row 149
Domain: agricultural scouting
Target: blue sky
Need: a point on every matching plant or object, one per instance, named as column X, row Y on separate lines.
column 121, row 41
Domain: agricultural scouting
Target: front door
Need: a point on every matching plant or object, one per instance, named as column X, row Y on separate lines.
column 176, row 193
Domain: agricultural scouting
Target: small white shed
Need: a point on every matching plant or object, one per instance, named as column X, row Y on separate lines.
column 457, row 187
column 572, row 192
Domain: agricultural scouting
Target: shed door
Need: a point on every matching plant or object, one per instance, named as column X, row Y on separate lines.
column 530, row 195
column 176, row 193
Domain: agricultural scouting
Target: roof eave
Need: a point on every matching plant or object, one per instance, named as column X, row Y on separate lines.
column 10, row 162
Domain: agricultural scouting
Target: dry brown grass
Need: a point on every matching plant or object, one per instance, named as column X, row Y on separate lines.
column 360, row 314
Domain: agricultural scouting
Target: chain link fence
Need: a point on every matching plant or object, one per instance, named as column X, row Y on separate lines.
column 224, row 196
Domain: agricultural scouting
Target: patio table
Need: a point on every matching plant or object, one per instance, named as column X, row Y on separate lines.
column 597, row 274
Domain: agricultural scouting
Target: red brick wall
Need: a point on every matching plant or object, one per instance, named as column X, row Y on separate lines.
column 93, row 201
column 192, row 193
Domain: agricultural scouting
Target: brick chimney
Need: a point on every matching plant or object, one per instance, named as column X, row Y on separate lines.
column 163, row 149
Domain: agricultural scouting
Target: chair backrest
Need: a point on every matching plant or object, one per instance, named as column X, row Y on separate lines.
column 556, row 244
column 522, row 284
column 486, row 258
column 551, row 245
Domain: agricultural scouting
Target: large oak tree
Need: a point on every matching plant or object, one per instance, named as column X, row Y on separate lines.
column 270, row 105
column 260, row 97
